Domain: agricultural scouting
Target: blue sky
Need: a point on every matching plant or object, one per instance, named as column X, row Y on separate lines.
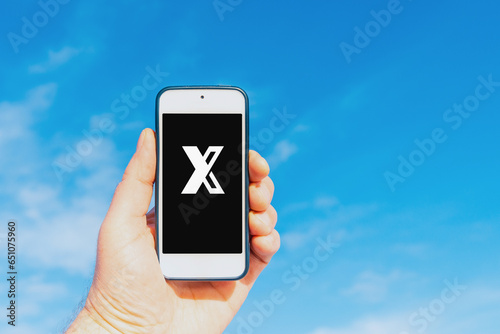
column 352, row 120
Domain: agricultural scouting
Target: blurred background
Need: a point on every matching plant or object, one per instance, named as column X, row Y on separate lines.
column 379, row 120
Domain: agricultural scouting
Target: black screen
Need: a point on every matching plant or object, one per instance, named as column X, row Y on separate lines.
column 202, row 206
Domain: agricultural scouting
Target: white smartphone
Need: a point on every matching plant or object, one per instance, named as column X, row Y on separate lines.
column 202, row 182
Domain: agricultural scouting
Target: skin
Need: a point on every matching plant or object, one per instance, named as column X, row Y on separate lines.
column 129, row 293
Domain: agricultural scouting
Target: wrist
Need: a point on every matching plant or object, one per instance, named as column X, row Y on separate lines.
column 100, row 316
column 86, row 322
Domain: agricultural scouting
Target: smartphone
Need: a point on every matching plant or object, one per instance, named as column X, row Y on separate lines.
column 202, row 182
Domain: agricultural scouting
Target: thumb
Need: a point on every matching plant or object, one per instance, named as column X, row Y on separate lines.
column 133, row 194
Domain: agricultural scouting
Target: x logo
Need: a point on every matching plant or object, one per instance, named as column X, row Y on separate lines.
column 202, row 169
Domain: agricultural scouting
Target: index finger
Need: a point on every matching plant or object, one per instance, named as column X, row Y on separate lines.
column 257, row 166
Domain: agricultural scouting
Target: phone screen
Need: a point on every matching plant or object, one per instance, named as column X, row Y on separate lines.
column 202, row 179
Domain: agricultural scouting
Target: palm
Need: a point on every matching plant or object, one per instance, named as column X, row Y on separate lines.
column 137, row 285
column 129, row 292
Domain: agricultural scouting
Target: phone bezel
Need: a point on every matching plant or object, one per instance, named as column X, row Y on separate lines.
column 219, row 100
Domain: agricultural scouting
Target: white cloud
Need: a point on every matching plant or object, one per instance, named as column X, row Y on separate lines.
column 338, row 217
column 37, row 295
column 38, row 196
column 103, row 154
column 282, row 151
column 296, row 239
column 372, row 287
column 24, row 328
column 296, row 207
column 103, row 179
column 59, row 222
column 326, row 202
column 322, row 202
column 17, row 117
column 475, row 311
column 40, row 289
column 339, row 213
column 481, row 231
column 394, row 324
column 66, row 221
column 64, row 236
column 55, row 59
column 413, row 249
column 20, row 145
column 301, row 128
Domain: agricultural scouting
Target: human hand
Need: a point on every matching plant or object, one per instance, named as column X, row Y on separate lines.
column 129, row 293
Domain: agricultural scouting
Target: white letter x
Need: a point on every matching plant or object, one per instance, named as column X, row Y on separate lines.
column 202, row 169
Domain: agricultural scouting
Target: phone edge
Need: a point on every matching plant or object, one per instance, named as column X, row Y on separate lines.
column 247, row 231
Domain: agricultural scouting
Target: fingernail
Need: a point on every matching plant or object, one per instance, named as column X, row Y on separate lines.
column 264, row 163
column 140, row 142
column 264, row 218
column 265, row 192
